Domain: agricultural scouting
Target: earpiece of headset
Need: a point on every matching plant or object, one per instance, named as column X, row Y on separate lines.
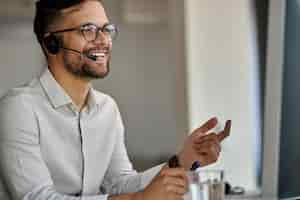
column 52, row 44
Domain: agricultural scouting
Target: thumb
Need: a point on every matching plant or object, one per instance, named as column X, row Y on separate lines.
column 226, row 132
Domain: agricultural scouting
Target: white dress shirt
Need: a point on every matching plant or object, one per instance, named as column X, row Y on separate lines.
column 49, row 150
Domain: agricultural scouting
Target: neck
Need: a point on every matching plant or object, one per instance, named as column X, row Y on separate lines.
column 76, row 87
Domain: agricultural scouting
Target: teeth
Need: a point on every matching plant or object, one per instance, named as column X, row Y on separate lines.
column 99, row 54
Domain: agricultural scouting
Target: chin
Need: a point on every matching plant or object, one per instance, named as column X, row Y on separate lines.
column 102, row 75
column 102, row 72
column 96, row 72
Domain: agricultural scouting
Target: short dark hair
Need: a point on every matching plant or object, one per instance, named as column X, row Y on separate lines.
column 47, row 11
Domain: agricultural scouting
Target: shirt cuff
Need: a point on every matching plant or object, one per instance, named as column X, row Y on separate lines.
column 149, row 174
column 98, row 197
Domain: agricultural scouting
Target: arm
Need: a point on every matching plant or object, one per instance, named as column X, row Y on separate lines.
column 124, row 183
column 131, row 196
column 120, row 176
column 169, row 184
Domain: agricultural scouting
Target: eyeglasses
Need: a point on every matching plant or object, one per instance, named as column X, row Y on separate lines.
column 91, row 31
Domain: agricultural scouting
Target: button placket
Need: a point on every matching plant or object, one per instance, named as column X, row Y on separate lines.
column 80, row 129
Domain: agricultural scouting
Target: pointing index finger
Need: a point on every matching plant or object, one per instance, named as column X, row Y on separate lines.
column 208, row 125
column 211, row 123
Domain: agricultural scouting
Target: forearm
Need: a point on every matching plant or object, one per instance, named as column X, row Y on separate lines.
column 50, row 193
column 130, row 196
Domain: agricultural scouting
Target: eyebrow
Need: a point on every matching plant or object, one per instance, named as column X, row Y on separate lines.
column 94, row 24
column 88, row 23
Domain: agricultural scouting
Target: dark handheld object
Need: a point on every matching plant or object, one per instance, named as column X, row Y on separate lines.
column 195, row 165
column 237, row 190
column 173, row 162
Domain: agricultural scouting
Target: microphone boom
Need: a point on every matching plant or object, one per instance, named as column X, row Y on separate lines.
column 91, row 57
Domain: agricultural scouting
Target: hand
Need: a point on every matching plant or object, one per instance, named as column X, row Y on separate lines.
column 169, row 184
column 203, row 146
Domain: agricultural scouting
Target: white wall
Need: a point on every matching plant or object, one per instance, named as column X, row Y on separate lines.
column 20, row 55
column 222, row 80
column 143, row 81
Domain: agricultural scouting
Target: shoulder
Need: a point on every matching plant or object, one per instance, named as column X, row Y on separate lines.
column 19, row 95
column 16, row 106
column 18, row 121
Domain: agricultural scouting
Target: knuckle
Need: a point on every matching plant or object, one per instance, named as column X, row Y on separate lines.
column 214, row 136
column 214, row 158
column 162, row 173
column 162, row 176
column 168, row 188
column 165, row 180
column 181, row 191
column 212, row 149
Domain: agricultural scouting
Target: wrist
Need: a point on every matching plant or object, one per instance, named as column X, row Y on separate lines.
column 129, row 196
column 183, row 163
column 137, row 196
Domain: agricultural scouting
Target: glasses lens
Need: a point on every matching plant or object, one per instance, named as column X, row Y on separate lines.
column 110, row 30
column 89, row 32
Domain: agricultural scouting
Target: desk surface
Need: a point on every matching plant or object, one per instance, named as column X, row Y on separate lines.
column 248, row 198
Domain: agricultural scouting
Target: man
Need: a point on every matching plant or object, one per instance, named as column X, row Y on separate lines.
column 63, row 140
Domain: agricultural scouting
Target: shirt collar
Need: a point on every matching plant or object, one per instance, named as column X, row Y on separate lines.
column 57, row 95
column 53, row 90
column 92, row 100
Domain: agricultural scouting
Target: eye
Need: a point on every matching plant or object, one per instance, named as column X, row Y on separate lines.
column 89, row 28
column 110, row 28
column 89, row 31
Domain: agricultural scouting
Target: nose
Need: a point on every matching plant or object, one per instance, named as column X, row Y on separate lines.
column 102, row 39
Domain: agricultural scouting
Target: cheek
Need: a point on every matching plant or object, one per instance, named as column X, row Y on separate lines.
column 74, row 42
column 110, row 43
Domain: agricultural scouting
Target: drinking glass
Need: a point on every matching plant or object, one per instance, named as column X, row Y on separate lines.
column 206, row 185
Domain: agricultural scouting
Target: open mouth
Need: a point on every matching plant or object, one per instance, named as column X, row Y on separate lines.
column 98, row 52
column 100, row 55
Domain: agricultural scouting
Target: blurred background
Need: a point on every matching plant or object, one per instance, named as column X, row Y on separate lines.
column 175, row 64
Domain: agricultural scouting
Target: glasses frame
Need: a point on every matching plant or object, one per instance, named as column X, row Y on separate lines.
column 81, row 29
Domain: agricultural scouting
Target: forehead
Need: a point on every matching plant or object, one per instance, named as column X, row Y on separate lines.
column 88, row 11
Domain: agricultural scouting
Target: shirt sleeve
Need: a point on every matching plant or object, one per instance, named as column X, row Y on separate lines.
column 23, row 172
column 121, row 178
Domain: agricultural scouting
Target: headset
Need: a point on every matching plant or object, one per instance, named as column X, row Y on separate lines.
column 53, row 45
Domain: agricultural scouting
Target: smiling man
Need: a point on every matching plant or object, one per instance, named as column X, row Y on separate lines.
column 61, row 139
